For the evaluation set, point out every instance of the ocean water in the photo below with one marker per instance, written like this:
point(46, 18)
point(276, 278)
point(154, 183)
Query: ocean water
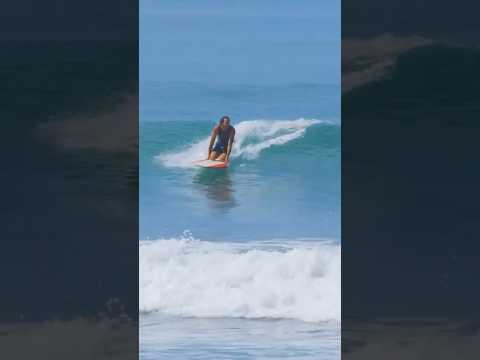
point(244, 262)
point(228, 256)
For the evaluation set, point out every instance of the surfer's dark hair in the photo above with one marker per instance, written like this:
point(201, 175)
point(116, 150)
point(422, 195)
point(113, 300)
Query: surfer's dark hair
point(223, 118)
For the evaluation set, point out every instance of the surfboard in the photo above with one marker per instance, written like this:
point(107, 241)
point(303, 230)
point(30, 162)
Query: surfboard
point(213, 164)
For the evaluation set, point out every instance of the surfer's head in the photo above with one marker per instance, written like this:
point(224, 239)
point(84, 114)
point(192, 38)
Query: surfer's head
point(224, 121)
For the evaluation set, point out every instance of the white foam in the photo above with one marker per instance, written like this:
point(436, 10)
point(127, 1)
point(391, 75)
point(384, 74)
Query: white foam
point(251, 137)
point(188, 277)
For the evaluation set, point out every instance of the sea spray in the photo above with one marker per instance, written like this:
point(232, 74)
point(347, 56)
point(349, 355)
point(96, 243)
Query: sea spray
point(188, 277)
point(251, 138)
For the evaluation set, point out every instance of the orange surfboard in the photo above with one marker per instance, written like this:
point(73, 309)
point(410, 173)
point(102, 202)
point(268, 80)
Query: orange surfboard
point(213, 164)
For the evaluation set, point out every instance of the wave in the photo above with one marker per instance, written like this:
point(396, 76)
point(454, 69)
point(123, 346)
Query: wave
point(251, 137)
point(188, 277)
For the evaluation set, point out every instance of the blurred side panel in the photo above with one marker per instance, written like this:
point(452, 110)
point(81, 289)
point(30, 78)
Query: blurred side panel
point(410, 204)
point(69, 205)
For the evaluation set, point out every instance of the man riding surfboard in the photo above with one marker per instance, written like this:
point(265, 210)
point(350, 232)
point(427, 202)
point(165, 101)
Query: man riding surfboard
point(224, 133)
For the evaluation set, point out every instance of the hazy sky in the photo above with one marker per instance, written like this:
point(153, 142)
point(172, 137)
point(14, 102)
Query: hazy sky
point(265, 42)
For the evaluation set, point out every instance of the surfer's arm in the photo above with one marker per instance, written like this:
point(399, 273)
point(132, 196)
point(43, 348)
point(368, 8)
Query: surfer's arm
point(212, 140)
point(230, 144)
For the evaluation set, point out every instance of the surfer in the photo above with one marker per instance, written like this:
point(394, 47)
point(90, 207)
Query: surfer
point(224, 133)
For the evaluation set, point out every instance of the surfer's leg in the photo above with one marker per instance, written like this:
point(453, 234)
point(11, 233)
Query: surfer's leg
point(213, 155)
point(221, 157)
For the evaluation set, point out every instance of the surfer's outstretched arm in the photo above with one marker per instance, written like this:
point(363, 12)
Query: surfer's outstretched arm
point(230, 143)
point(212, 140)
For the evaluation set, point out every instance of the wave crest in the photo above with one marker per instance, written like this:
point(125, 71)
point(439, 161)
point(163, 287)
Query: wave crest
point(250, 139)
point(188, 277)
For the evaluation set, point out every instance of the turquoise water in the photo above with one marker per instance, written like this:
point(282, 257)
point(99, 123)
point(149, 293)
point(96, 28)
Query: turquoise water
point(244, 262)
point(229, 256)
point(271, 190)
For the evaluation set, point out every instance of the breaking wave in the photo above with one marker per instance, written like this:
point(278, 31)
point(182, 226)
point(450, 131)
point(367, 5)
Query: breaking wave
point(187, 277)
point(252, 137)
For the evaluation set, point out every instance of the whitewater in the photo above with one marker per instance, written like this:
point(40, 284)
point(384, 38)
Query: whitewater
point(289, 279)
point(259, 275)
point(251, 138)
